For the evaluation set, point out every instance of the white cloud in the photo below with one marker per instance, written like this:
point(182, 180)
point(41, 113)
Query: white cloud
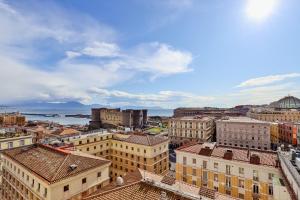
point(167, 99)
point(27, 37)
point(96, 49)
point(267, 80)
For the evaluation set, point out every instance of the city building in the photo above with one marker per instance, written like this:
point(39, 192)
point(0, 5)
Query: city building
point(275, 115)
point(41, 172)
point(114, 118)
point(274, 131)
point(145, 185)
point(12, 137)
point(243, 132)
point(290, 165)
point(127, 152)
point(238, 172)
point(288, 133)
point(10, 119)
point(208, 111)
point(192, 128)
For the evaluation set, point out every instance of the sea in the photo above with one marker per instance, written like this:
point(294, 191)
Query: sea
point(62, 119)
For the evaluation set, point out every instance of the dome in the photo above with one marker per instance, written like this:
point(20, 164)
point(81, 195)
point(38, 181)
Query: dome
point(288, 102)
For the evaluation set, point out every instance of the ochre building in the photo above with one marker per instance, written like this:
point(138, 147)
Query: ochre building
point(238, 172)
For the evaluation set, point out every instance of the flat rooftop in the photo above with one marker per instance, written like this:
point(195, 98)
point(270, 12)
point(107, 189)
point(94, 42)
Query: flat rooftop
point(241, 120)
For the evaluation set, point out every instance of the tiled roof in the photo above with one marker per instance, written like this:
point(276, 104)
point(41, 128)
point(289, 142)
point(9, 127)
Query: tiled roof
point(51, 164)
point(144, 139)
point(238, 154)
point(136, 191)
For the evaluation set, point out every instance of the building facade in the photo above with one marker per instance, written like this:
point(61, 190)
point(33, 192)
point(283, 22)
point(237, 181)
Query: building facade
point(112, 118)
point(41, 172)
point(275, 116)
point(238, 172)
point(288, 133)
point(274, 131)
point(10, 119)
point(207, 111)
point(243, 132)
point(191, 128)
point(127, 152)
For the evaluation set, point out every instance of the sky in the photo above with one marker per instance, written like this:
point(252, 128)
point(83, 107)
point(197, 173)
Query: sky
point(166, 53)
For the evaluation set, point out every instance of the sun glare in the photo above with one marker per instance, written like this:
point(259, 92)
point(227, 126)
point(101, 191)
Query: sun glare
point(259, 10)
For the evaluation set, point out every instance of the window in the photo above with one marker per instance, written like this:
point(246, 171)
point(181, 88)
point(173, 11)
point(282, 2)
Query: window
point(10, 145)
point(39, 187)
point(255, 189)
point(228, 181)
point(241, 183)
point(241, 196)
point(241, 170)
point(99, 174)
point(194, 161)
point(22, 142)
point(45, 192)
point(194, 172)
point(83, 180)
point(204, 164)
point(270, 190)
point(255, 175)
point(228, 169)
point(184, 160)
point(66, 188)
point(271, 176)
point(215, 165)
point(216, 177)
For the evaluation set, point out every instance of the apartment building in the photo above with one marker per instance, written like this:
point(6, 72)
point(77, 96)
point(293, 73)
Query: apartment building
point(15, 141)
point(275, 115)
point(9, 119)
point(112, 118)
point(243, 132)
point(288, 133)
point(274, 131)
point(127, 152)
point(239, 172)
point(41, 172)
point(192, 128)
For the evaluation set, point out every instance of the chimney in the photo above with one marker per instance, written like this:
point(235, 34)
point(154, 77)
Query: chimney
point(254, 159)
point(228, 154)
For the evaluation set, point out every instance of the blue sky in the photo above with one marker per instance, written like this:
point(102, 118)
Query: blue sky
point(150, 53)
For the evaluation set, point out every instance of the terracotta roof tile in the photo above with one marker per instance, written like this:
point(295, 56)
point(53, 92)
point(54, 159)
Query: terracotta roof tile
point(239, 154)
point(144, 139)
point(51, 164)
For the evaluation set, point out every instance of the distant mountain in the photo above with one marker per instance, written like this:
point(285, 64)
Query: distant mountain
point(70, 105)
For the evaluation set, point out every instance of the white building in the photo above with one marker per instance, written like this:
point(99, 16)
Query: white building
point(243, 132)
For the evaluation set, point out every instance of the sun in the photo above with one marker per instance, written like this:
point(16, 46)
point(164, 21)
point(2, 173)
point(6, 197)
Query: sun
point(259, 10)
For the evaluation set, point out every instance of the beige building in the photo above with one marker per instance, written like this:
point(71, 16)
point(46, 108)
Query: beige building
point(243, 132)
point(193, 128)
point(274, 116)
point(127, 152)
point(17, 141)
point(40, 172)
point(238, 172)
